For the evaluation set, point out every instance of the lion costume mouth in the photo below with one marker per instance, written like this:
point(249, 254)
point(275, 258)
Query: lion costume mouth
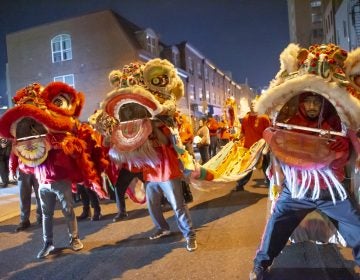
point(31, 144)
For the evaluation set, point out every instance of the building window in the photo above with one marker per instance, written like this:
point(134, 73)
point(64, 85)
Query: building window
point(207, 95)
point(345, 29)
point(200, 94)
point(151, 44)
point(316, 18)
point(192, 92)
point(68, 79)
point(317, 33)
point(315, 4)
point(61, 48)
point(175, 57)
point(199, 70)
point(191, 65)
point(206, 73)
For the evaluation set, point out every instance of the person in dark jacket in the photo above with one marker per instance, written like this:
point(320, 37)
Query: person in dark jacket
point(5, 150)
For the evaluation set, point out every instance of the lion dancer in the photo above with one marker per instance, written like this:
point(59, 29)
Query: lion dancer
point(312, 166)
point(49, 140)
point(138, 120)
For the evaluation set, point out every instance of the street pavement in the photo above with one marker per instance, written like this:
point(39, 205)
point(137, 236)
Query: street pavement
point(229, 226)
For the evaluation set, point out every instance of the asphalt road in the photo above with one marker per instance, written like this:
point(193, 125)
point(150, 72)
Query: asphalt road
point(229, 226)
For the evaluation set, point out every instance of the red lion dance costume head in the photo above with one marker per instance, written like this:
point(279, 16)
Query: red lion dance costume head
point(44, 126)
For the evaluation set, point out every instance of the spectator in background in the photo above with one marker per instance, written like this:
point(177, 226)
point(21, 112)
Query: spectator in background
point(213, 126)
point(204, 143)
point(5, 150)
point(186, 133)
point(252, 128)
point(224, 133)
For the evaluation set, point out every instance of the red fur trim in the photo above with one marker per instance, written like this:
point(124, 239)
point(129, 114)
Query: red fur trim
point(27, 110)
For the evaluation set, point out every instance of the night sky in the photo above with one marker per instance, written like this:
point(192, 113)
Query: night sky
point(244, 37)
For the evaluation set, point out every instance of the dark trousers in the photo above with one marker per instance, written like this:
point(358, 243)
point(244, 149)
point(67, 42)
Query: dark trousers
point(88, 197)
point(289, 212)
point(213, 145)
point(4, 170)
point(27, 183)
point(204, 153)
point(124, 179)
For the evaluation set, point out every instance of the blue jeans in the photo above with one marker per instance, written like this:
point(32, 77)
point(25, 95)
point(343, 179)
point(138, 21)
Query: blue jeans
point(172, 190)
point(60, 190)
point(26, 183)
point(289, 212)
point(204, 153)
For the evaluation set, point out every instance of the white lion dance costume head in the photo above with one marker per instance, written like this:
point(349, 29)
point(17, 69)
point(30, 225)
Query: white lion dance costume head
point(324, 70)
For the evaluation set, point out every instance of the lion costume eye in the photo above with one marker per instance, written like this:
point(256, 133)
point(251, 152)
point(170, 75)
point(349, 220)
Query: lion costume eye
point(62, 101)
point(356, 79)
point(160, 81)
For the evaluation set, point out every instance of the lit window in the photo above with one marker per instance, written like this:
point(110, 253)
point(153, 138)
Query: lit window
point(61, 48)
point(68, 79)
point(207, 95)
point(192, 92)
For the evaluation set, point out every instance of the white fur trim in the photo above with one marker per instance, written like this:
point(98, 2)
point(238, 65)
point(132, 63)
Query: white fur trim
point(288, 58)
point(352, 63)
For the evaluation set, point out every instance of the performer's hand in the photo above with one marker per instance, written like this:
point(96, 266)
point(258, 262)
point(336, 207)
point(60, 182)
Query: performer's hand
point(340, 144)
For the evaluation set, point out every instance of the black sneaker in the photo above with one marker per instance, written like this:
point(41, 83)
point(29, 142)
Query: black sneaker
point(86, 213)
point(191, 244)
point(76, 244)
point(22, 226)
point(120, 216)
point(160, 233)
point(46, 250)
point(257, 273)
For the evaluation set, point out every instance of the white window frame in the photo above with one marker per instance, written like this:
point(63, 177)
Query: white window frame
point(61, 47)
point(68, 79)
